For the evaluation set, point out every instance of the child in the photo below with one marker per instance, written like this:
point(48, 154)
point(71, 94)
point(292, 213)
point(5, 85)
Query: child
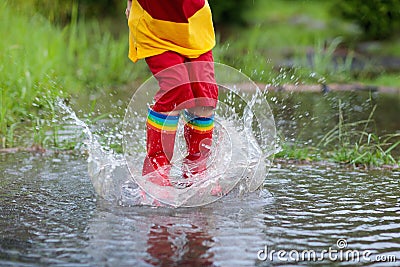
point(168, 34)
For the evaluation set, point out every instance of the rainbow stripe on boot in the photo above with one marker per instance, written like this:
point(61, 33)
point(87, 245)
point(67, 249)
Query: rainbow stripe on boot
point(162, 122)
point(199, 124)
point(161, 131)
point(198, 132)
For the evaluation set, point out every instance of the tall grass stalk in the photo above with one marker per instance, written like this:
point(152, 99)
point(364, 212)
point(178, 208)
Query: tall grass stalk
point(345, 144)
point(322, 65)
point(42, 61)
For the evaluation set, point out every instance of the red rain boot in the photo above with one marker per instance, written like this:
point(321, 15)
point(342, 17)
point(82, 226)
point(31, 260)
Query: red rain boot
point(160, 149)
point(198, 147)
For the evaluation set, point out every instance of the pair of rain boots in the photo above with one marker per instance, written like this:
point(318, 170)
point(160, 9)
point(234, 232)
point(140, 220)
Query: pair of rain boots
point(161, 132)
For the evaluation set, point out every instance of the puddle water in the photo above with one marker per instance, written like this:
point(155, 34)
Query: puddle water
point(304, 118)
point(50, 216)
point(301, 117)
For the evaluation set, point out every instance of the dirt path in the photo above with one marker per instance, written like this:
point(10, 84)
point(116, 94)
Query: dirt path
point(323, 88)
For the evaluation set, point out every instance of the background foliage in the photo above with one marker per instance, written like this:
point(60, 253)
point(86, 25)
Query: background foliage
point(230, 12)
point(64, 48)
point(224, 12)
point(60, 11)
point(378, 19)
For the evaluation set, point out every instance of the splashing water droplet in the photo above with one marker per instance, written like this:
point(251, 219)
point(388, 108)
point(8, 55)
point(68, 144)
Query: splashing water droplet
point(242, 151)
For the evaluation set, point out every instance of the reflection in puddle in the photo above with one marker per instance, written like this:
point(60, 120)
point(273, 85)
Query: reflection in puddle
point(50, 216)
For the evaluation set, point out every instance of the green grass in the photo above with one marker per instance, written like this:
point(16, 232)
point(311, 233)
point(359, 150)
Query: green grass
point(374, 151)
point(27, 68)
point(386, 79)
point(280, 30)
point(349, 143)
point(41, 61)
point(280, 35)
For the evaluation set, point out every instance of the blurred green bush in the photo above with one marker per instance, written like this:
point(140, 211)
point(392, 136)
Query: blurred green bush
point(229, 12)
point(54, 11)
point(378, 19)
point(59, 11)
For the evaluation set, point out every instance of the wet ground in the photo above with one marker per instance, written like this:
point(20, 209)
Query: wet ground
point(305, 215)
point(50, 216)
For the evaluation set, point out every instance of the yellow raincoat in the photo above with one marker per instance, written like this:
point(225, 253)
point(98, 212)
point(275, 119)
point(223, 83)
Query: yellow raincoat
point(182, 26)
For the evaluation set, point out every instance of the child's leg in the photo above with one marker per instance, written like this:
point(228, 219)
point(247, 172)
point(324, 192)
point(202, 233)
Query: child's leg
point(162, 120)
point(203, 84)
point(198, 131)
point(161, 131)
point(173, 79)
point(199, 125)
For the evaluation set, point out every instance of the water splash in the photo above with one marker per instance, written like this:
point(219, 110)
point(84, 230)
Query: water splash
point(112, 180)
point(244, 142)
point(242, 151)
point(107, 170)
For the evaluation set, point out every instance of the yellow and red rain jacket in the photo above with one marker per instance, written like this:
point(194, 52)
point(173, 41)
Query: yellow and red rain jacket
point(182, 26)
